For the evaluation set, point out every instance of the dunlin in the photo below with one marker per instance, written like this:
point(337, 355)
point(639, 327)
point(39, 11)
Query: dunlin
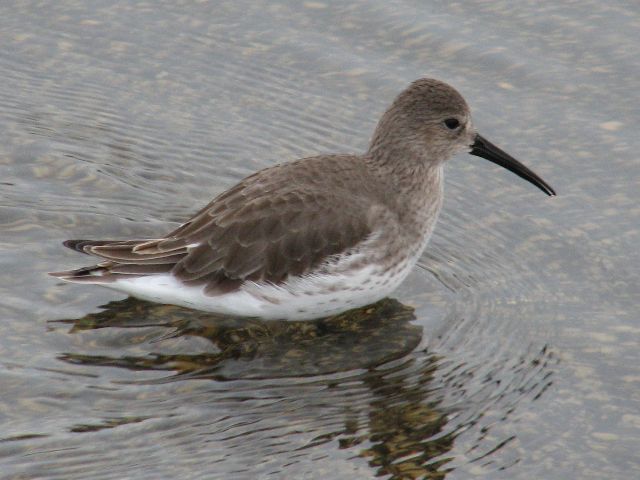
point(312, 237)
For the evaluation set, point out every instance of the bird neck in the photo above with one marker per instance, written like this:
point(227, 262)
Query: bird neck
point(412, 187)
point(405, 166)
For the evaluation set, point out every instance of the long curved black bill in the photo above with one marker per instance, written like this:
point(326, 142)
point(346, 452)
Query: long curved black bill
point(484, 148)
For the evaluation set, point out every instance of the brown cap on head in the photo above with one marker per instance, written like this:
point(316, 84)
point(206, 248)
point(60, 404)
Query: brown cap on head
point(436, 95)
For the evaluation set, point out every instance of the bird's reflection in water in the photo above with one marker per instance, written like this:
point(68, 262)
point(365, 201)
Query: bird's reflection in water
point(390, 419)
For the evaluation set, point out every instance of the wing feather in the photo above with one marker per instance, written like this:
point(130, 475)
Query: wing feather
point(271, 225)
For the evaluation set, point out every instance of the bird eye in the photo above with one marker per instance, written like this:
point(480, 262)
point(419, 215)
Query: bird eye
point(452, 123)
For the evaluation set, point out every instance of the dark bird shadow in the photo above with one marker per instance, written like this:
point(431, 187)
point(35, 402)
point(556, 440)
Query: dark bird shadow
point(402, 429)
point(247, 348)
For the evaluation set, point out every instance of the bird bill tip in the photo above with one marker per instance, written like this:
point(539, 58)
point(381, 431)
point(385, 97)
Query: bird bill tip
point(484, 148)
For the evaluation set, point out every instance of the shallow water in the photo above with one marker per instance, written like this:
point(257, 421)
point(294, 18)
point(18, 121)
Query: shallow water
point(511, 352)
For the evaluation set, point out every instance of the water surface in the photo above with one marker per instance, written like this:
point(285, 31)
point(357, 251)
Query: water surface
point(510, 352)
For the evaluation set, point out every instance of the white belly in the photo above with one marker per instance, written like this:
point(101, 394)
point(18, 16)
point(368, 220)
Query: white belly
point(301, 298)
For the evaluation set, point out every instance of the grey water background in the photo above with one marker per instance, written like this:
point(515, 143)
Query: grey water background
point(521, 358)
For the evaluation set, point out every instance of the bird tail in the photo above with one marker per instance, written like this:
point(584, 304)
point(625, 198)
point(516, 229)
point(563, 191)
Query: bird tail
point(93, 274)
point(120, 259)
point(79, 245)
